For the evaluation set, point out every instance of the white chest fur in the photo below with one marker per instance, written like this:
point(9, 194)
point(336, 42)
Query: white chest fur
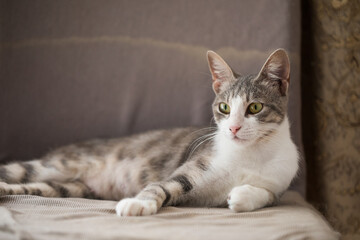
point(271, 164)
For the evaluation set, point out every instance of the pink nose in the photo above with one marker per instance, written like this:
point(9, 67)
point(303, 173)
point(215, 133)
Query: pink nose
point(234, 129)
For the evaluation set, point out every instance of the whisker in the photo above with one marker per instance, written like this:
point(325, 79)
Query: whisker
point(208, 138)
point(199, 139)
point(203, 129)
point(212, 120)
point(268, 138)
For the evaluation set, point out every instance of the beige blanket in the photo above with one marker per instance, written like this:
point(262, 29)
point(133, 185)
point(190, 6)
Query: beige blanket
point(32, 217)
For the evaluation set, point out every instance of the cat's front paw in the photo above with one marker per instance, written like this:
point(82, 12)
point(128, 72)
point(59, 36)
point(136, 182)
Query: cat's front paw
point(136, 207)
point(246, 198)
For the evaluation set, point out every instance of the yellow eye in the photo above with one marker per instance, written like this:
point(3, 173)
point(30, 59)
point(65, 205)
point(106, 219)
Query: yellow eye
point(224, 108)
point(255, 108)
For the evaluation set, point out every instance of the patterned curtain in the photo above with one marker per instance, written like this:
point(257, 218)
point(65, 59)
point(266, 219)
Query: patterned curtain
point(331, 110)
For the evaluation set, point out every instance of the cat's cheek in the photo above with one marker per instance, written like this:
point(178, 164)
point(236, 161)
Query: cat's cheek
point(224, 128)
point(136, 207)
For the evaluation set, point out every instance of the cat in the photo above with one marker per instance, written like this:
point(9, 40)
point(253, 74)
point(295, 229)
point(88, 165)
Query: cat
point(244, 162)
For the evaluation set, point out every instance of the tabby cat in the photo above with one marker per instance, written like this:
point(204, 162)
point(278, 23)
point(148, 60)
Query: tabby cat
point(246, 162)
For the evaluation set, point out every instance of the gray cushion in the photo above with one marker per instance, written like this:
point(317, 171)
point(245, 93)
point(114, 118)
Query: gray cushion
point(74, 218)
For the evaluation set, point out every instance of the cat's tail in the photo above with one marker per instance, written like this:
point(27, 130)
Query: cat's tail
point(48, 189)
point(42, 178)
point(31, 171)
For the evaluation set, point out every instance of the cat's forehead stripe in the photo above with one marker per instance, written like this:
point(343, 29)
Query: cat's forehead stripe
point(244, 86)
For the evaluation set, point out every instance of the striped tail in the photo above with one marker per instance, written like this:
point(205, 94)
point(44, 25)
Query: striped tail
point(48, 189)
point(32, 171)
point(40, 178)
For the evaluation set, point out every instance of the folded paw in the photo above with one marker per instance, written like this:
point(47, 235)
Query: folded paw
point(247, 198)
point(136, 207)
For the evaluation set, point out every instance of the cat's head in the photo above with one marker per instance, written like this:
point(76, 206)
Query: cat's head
point(248, 109)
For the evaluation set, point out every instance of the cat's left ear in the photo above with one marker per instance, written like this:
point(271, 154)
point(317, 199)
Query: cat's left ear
point(222, 74)
point(277, 70)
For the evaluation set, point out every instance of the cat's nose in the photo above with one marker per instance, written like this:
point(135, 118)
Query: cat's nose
point(234, 129)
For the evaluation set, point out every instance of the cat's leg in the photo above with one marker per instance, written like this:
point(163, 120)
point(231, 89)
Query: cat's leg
point(153, 197)
point(165, 193)
point(247, 198)
point(47, 189)
point(32, 171)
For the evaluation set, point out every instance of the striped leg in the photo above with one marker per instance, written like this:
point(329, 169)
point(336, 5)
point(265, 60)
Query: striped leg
point(47, 189)
point(156, 195)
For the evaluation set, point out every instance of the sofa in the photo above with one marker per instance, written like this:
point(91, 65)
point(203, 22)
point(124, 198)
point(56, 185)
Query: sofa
point(76, 70)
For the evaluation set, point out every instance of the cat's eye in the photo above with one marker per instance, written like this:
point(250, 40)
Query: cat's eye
point(255, 108)
point(224, 108)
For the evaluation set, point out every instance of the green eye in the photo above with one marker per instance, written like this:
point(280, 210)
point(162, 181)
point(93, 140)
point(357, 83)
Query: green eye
point(255, 108)
point(224, 108)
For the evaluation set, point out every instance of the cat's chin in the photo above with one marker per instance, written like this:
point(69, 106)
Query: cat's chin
point(241, 141)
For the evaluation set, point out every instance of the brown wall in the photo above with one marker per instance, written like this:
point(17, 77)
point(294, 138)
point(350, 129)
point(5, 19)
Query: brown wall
point(331, 110)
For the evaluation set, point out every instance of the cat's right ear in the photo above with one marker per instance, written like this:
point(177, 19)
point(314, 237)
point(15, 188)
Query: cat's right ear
point(222, 74)
point(277, 70)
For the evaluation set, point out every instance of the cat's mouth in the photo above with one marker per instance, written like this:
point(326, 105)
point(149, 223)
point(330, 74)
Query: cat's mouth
point(239, 139)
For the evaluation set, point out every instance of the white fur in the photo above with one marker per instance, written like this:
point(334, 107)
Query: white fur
point(252, 174)
point(136, 207)
point(244, 173)
point(247, 173)
point(254, 167)
point(250, 128)
point(110, 181)
point(16, 170)
point(247, 198)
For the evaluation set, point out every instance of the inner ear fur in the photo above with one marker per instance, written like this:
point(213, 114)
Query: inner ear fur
point(222, 74)
point(277, 68)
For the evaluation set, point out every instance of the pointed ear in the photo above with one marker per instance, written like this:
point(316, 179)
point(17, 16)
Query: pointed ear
point(277, 68)
point(222, 74)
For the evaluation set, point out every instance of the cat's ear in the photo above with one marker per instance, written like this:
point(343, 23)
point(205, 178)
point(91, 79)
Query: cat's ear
point(277, 68)
point(222, 74)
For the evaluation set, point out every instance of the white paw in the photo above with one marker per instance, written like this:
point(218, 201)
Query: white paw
point(136, 207)
point(246, 198)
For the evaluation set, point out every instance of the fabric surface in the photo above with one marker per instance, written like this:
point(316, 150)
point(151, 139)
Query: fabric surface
point(74, 70)
point(332, 111)
point(32, 217)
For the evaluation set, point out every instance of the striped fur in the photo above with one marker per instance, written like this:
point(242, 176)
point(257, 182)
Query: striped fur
point(47, 189)
point(209, 167)
point(155, 154)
